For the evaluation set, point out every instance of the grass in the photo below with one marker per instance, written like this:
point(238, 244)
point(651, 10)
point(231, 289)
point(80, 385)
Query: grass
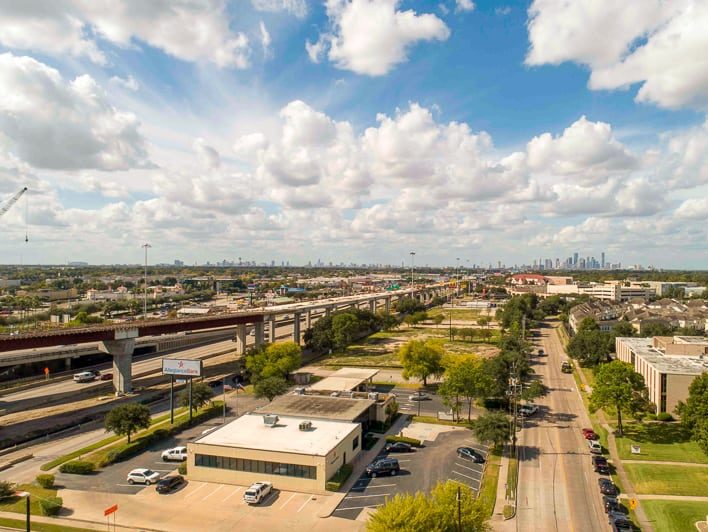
point(659, 441)
point(436, 421)
point(508, 511)
point(459, 314)
point(488, 491)
point(668, 479)
point(19, 524)
point(512, 477)
point(677, 516)
point(18, 504)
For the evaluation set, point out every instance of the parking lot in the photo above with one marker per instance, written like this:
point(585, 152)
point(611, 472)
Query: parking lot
point(420, 470)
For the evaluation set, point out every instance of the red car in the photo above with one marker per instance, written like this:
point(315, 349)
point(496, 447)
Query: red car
point(590, 434)
point(106, 376)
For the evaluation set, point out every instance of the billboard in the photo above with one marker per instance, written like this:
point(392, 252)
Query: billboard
point(184, 368)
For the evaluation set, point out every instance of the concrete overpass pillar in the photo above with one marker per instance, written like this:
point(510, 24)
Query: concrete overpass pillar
point(259, 334)
point(67, 363)
point(296, 327)
point(271, 329)
point(328, 311)
point(388, 304)
point(122, 353)
point(372, 306)
point(308, 320)
point(241, 338)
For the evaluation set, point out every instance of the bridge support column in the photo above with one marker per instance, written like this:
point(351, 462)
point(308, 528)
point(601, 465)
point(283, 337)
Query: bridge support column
point(387, 304)
point(308, 320)
point(296, 327)
point(259, 333)
point(122, 353)
point(328, 311)
point(241, 338)
point(271, 329)
point(67, 363)
point(372, 306)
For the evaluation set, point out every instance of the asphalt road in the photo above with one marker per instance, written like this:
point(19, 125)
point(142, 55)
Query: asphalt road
point(557, 487)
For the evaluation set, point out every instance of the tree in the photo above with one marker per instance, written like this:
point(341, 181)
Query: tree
point(438, 319)
point(274, 360)
point(590, 346)
point(270, 387)
point(201, 395)
point(408, 305)
point(466, 377)
point(492, 427)
point(421, 359)
point(694, 412)
point(622, 328)
point(483, 321)
point(535, 389)
point(389, 322)
point(345, 328)
point(436, 512)
point(617, 385)
point(124, 420)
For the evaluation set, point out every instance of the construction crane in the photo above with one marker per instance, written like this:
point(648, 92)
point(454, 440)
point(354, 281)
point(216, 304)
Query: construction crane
point(10, 203)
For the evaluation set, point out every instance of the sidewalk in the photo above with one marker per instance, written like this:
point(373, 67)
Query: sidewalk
point(63, 522)
point(664, 462)
point(497, 520)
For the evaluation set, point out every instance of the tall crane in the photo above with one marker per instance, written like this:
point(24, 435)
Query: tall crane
point(11, 202)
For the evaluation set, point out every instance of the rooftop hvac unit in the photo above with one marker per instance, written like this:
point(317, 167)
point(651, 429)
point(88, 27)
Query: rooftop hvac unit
point(374, 396)
point(305, 425)
point(270, 420)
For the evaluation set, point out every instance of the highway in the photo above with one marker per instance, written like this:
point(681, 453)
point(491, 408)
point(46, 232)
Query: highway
point(557, 489)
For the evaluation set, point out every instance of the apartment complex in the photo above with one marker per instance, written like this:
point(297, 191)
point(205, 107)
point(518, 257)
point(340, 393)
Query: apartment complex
point(668, 364)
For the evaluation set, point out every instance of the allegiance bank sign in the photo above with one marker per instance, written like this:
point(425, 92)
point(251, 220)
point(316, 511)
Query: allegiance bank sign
point(181, 367)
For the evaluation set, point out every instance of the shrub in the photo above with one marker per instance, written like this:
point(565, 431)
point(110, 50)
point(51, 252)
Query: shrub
point(339, 478)
point(50, 505)
point(664, 416)
point(45, 481)
point(650, 417)
point(77, 467)
point(411, 441)
point(6, 489)
point(182, 468)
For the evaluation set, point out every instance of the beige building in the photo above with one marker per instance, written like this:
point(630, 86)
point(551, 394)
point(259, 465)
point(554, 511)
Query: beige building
point(668, 365)
point(293, 453)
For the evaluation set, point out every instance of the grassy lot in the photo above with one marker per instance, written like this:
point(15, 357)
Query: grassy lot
point(19, 524)
point(18, 504)
point(676, 516)
point(660, 441)
point(488, 491)
point(668, 479)
point(461, 314)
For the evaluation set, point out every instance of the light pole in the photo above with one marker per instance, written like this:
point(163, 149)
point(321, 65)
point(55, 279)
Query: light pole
point(412, 253)
point(457, 278)
point(145, 295)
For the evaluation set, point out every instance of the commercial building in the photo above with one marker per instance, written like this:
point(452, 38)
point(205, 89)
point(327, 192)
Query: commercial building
point(668, 364)
point(346, 380)
point(294, 453)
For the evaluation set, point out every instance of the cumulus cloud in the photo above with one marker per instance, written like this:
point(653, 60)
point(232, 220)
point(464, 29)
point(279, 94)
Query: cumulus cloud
point(51, 123)
point(295, 7)
point(694, 209)
point(371, 37)
point(660, 45)
point(208, 156)
point(682, 158)
point(464, 5)
point(127, 83)
point(191, 30)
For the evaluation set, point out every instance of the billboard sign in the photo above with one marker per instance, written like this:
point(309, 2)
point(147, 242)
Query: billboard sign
point(181, 367)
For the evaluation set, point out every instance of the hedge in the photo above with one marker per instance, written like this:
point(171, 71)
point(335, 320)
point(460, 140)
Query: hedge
point(664, 416)
point(77, 467)
point(45, 481)
point(411, 441)
point(51, 505)
point(182, 468)
point(339, 478)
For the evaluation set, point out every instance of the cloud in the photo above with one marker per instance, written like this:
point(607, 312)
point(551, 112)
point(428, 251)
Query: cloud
point(127, 83)
point(371, 37)
point(62, 125)
point(693, 209)
point(464, 5)
point(208, 156)
point(682, 158)
point(265, 39)
point(502, 11)
point(295, 7)
point(190, 30)
point(660, 45)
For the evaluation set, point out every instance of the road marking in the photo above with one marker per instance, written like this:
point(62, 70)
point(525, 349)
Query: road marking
point(467, 467)
point(380, 485)
point(212, 493)
point(131, 485)
point(305, 503)
point(365, 496)
point(462, 483)
point(233, 493)
point(289, 499)
point(357, 507)
point(466, 476)
point(195, 490)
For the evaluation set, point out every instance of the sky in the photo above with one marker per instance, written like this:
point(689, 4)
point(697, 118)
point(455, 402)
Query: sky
point(354, 131)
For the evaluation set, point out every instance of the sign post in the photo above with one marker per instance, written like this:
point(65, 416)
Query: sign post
point(186, 368)
point(172, 399)
point(190, 400)
point(107, 512)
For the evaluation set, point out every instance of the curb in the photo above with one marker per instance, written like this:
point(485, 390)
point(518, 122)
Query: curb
point(10, 463)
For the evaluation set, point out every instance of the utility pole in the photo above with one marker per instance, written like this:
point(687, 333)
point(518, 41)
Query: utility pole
point(514, 384)
point(145, 296)
point(457, 278)
point(412, 254)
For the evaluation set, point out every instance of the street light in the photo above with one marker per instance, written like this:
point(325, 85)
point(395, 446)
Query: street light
point(26, 495)
point(412, 254)
point(457, 278)
point(145, 297)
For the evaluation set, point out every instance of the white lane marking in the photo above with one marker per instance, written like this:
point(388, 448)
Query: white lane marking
point(466, 476)
point(195, 490)
point(467, 467)
point(461, 483)
point(131, 485)
point(238, 488)
point(212, 493)
point(379, 486)
point(358, 507)
point(365, 496)
point(289, 499)
point(305, 503)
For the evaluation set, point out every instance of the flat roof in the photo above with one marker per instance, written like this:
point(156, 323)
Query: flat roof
point(345, 379)
point(317, 406)
point(671, 364)
point(250, 432)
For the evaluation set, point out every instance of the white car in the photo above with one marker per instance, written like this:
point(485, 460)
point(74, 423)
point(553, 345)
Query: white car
point(257, 492)
point(527, 410)
point(85, 376)
point(143, 476)
point(420, 396)
point(178, 454)
point(595, 446)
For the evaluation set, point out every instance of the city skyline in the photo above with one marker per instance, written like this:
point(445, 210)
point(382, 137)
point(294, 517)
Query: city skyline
point(335, 129)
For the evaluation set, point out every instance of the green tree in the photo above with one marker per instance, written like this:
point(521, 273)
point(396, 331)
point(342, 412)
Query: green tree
point(492, 427)
point(389, 322)
point(618, 386)
point(273, 360)
point(535, 389)
point(270, 387)
point(345, 328)
point(201, 395)
point(622, 328)
point(694, 412)
point(127, 419)
point(590, 346)
point(466, 377)
point(409, 305)
point(438, 319)
point(421, 359)
point(437, 512)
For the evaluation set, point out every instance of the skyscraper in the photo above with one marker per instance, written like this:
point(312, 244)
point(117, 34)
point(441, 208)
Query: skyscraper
point(575, 259)
point(602, 260)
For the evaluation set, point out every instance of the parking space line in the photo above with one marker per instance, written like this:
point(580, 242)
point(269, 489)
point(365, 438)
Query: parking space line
point(379, 486)
point(365, 496)
point(305, 503)
point(289, 499)
point(195, 490)
point(357, 507)
point(467, 467)
point(213, 492)
point(129, 485)
point(462, 484)
point(238, 488)
point(466, 476)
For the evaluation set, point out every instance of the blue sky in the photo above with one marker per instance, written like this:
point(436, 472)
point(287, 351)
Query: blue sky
point(356, 130)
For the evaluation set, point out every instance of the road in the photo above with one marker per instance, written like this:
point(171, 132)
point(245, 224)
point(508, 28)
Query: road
point(557, 487)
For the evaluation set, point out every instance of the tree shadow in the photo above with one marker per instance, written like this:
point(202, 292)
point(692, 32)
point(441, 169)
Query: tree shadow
point(527, 453)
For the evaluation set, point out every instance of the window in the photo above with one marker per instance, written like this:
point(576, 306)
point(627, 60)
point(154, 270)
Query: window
point(355, 443)
point(255, 466)
point(662, 406)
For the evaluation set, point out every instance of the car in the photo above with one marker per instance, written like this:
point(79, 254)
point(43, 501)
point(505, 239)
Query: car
point(257, 492)
point(106, 377)
point(470, 454)
point(595, 446)
point(143, 476)
point(590, 434)
point(610, 504)
point(600, 465)
point(169, 483)
point(94, 372)
point(541, 352)
point(84, 376)
point(619, 521)
point(214, 383)
point(398, 447)
point(420, 396)
point(607, 487)
point(385, 466)
point(527, 410)
point(178, 454)
point(566, 367)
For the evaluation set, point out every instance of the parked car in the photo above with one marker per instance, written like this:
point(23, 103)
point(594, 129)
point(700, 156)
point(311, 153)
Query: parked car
point(566, 367)
point(541, 352)
point(106, 376)
point(600, 465)
point(527, 410)
point(84, 376)
point(94, 372)
point(607, 487)
point(385, 466)
point(611, 504)
point(215, 383)
point(398, 447)
point(143, 476)
point(178, 454)
point(470, 454)
point(420, 396)
point(619, 521)
point(257, 492)
point(167, 484)
point(590, 434)
point(595, 446)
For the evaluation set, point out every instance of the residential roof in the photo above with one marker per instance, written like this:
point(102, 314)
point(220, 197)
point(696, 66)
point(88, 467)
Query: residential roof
point(317, 407)
point(250, 432)
point(345, 379)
